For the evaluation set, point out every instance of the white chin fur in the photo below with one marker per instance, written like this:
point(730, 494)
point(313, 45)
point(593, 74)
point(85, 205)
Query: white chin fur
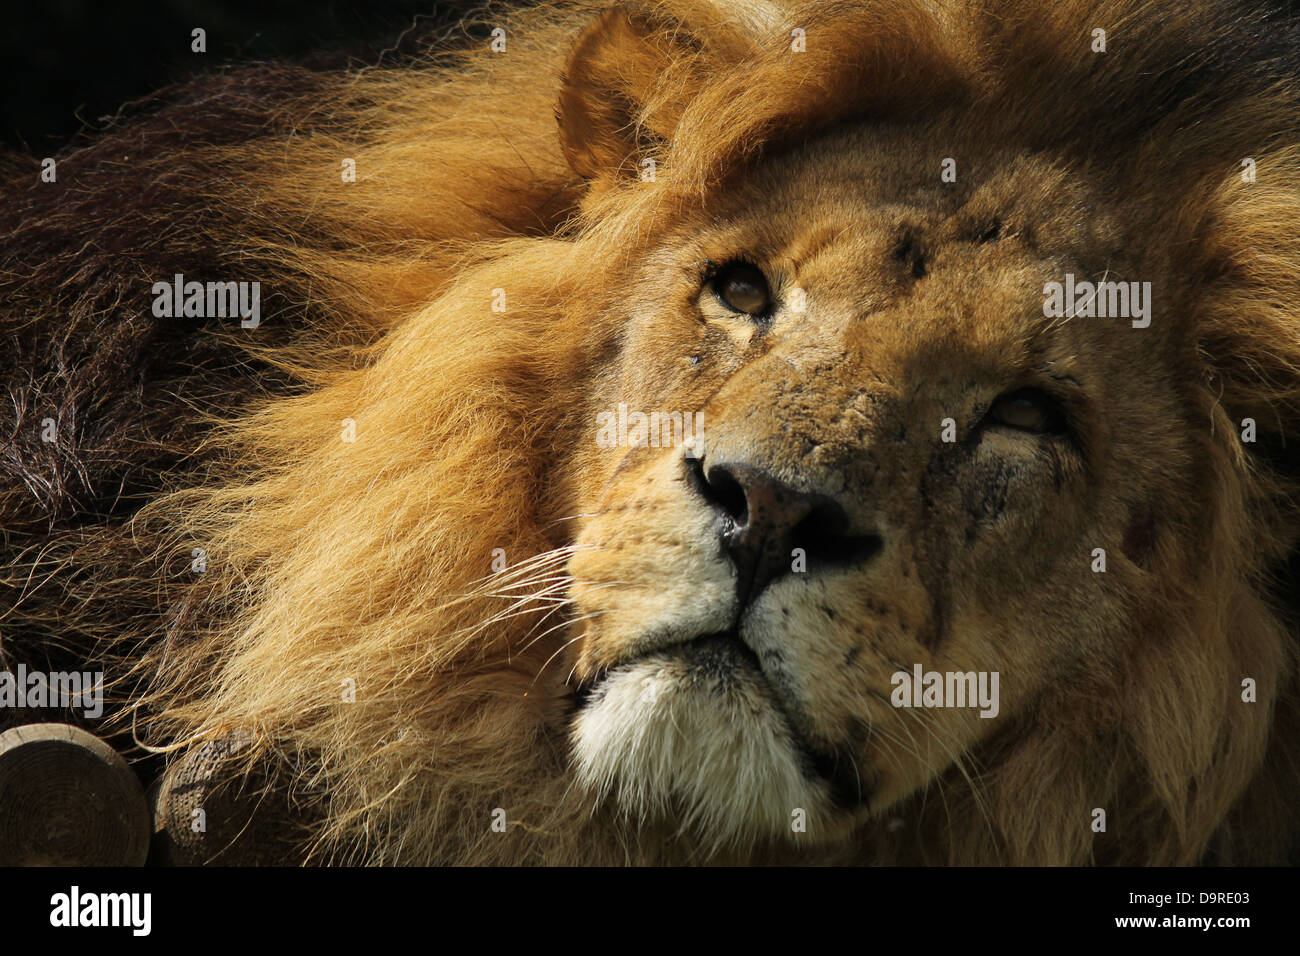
point(688, 738)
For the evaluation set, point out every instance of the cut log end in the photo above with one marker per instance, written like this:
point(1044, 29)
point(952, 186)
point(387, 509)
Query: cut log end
point(68, 799)
point(210, 808)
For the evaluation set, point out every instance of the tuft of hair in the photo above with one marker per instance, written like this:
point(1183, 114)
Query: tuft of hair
point(718, 763)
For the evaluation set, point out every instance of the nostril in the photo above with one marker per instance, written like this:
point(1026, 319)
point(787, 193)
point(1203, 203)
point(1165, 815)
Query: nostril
point(822, 536)
point(761, 520)
point(720, 487)
point(729, 494)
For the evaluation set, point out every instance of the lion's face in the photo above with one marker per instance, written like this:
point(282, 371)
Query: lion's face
point(902, 462)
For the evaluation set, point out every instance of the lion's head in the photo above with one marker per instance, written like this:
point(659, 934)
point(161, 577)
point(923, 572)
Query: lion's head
point(966, 425)
point(865, 432)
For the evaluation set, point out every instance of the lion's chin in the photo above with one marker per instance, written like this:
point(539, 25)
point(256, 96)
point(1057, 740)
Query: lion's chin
point(689, 737)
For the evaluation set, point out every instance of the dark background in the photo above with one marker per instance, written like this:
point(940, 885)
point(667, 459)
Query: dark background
point(66, 65)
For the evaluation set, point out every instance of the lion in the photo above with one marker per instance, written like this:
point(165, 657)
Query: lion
point(695, 432)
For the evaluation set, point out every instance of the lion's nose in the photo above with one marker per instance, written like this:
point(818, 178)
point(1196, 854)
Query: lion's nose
point(770, 529)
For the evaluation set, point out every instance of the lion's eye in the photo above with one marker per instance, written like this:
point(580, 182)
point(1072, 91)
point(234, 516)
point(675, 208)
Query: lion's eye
point(1030, 410)
point(742, 287)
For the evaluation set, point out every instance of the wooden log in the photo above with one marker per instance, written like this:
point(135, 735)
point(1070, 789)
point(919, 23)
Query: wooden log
point(68, 799)
point(211, 808)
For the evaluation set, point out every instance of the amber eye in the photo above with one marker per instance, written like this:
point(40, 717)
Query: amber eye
point(1030, 410)
point(741, 287)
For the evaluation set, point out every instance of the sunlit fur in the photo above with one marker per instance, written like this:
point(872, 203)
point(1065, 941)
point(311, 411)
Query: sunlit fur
point(370, 561)
point(668, 734)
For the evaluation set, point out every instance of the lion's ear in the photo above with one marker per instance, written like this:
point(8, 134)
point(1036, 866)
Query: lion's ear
point(632, 73)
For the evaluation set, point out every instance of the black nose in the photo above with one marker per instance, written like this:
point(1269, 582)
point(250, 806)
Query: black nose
point(763, 520)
